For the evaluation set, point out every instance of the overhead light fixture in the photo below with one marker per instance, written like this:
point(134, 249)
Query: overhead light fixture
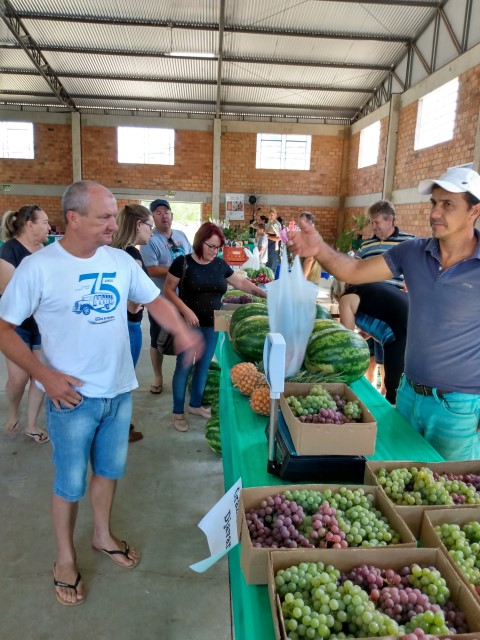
point(190, 54)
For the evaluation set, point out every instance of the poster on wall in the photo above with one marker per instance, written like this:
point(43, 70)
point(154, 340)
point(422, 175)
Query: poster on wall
point(235, 208)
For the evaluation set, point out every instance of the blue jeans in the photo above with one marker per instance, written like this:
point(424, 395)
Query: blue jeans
point(449, 424)
point(32, 340)
point(135, 335)
point(96, 429)
point(200, 372)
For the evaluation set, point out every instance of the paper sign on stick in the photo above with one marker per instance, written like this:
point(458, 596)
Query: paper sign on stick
point(220, 527)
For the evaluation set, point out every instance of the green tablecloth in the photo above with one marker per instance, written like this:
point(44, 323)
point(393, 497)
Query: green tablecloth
point(245, 455)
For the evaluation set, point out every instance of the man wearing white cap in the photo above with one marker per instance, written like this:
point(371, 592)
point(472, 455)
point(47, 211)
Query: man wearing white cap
point(440, 391)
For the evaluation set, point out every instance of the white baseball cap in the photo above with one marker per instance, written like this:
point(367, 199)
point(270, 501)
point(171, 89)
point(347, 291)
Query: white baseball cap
point(455, 180)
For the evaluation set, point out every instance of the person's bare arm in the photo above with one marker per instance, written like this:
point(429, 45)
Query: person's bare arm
point(186, 341)
point(6, 273)
point(307, 265)
point(244, 284)
point(58, 386)
point(347, 307)
point(308, 243)
point(157, 271)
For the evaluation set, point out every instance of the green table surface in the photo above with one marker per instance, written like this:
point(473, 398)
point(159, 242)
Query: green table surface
point(245, 455)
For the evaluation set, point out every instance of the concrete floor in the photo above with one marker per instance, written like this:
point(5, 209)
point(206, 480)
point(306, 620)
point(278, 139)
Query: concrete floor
point(172, 480)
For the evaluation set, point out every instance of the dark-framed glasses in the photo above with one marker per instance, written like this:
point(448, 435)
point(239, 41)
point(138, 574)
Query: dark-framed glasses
point(31, 211)
point(171, 243)
point(147, 224)
point(213, 247)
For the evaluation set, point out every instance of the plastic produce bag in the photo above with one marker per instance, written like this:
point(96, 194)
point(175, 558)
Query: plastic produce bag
point(253, 261)
point(291, 311)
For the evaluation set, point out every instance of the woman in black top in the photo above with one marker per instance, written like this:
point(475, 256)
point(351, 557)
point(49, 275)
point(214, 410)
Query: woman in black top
point(204, 282)
point(25, 232)
point(135, 227)
point(380, 310)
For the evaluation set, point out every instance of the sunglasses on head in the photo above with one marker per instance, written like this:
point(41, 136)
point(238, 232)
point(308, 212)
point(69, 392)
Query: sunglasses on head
point(173, 244)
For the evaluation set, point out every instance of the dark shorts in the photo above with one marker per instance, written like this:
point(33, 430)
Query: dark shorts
point(33, 340)
point(376, 350)
point(154, 331)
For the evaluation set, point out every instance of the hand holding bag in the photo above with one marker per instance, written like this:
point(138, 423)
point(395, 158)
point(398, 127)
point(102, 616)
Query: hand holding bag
point(165, 340)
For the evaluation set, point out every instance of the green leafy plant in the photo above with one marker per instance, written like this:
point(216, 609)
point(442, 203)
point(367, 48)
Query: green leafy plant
point(352, 237)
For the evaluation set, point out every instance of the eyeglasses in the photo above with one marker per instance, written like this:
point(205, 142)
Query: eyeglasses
point(173, 245)
point(31, 211)
point(147, 224)
point(213, 247)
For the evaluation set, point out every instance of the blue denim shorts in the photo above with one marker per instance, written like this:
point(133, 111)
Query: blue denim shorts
point(32, 340)
point(96, 429)
point(449, 422)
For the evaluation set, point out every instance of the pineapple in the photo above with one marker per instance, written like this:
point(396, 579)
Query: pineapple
point(260, 401)
point(246, 377)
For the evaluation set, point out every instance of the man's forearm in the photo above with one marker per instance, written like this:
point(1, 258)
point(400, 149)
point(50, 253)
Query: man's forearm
point(165, 314)
point(157, 271)
point(15, 349)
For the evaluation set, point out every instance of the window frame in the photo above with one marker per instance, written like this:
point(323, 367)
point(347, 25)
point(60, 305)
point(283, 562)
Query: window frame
point(23, 150)
point(436, 119)
point(149, 138)
point(280, 160)
point(367, 156)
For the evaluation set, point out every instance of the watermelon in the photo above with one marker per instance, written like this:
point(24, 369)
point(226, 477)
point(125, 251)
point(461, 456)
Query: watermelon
point(245, 311)
point(212, 386)
point(212, 434)
point(337, 353)
point(249, 336)
point(322, 313)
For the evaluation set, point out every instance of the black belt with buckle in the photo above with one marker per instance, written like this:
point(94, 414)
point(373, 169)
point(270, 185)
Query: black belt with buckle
point(423, 390)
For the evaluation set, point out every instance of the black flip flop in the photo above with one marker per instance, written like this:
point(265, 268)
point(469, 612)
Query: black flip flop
point(59, 583)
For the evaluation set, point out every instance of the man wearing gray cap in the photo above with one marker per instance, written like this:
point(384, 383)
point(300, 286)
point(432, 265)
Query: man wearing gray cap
point(440, 391)
point(164, 246)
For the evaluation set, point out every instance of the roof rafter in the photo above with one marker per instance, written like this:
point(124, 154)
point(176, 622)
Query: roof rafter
point(28, 44)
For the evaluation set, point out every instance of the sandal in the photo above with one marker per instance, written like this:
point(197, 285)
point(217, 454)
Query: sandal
point(115, 552)
point(59, 583)
point(156, 389)
point(41, 437)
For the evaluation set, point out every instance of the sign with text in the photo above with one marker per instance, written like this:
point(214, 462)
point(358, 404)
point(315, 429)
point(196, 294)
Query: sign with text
point(220, 527)
point(235, 206)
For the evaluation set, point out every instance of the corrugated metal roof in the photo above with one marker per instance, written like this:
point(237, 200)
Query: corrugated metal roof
point(321, 59)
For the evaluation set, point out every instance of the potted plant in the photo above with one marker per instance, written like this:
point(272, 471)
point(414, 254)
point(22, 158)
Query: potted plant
point(351, 238)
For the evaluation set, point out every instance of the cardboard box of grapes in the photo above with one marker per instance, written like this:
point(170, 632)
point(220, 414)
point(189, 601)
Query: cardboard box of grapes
point(430, 538)
point(396, 559)
point(349, 439)
point(254, 560)
point(413, 515)
point(221, 319)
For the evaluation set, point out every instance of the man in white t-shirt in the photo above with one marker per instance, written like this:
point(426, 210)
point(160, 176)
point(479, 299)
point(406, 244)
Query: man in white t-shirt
point(77, 289)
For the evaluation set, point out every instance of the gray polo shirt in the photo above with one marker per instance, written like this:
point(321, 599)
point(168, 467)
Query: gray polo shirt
point(158, 251)
point(443, 337)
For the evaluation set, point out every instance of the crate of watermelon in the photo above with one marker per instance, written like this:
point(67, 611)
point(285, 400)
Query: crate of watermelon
point(328, 419)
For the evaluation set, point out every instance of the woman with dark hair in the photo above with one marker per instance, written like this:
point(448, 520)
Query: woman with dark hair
point(195, 284)
point(25, 231)
point(135, 227)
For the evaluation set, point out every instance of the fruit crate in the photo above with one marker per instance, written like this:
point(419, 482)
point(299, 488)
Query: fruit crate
point(221, 319)
point(292, 466)
point(430, 538)
point(397, 558)
point(350, 439)
point(413, 515)
point(254, 560)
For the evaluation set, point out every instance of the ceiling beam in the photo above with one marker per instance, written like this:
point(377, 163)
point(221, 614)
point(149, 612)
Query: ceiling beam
point(195, 81)
point(213, 27)
point(210, 103)
point(28, 44)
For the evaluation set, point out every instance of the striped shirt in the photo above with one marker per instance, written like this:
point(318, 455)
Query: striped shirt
point(375, 247)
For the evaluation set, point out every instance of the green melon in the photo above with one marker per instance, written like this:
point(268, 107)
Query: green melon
point(337, 353)
point(245, 311)
point(248, 338)
point(322, 313)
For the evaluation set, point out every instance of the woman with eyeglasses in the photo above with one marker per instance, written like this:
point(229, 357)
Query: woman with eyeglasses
point(24, 231)
point(197, 295)
point(135, 227)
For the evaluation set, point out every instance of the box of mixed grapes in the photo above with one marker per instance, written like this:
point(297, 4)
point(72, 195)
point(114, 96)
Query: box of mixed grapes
point(373, 581)
point(345, 428)
point(453, 484)
point(255, 513)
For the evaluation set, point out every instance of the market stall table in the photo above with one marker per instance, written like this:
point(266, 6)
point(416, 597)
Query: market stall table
point(245, 454)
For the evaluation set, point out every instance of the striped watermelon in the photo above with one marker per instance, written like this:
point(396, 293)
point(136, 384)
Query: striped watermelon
point(322, 313)
point(245, 311)
point(212, 434)
point(337, 353)
point(249, 336)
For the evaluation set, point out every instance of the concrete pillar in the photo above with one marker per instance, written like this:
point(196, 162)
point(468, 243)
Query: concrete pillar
point(76, 146)
point(343, 182)
point(217, 158)
point(391, 150)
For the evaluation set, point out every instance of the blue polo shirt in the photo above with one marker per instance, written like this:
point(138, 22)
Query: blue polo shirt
point(443, 337)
